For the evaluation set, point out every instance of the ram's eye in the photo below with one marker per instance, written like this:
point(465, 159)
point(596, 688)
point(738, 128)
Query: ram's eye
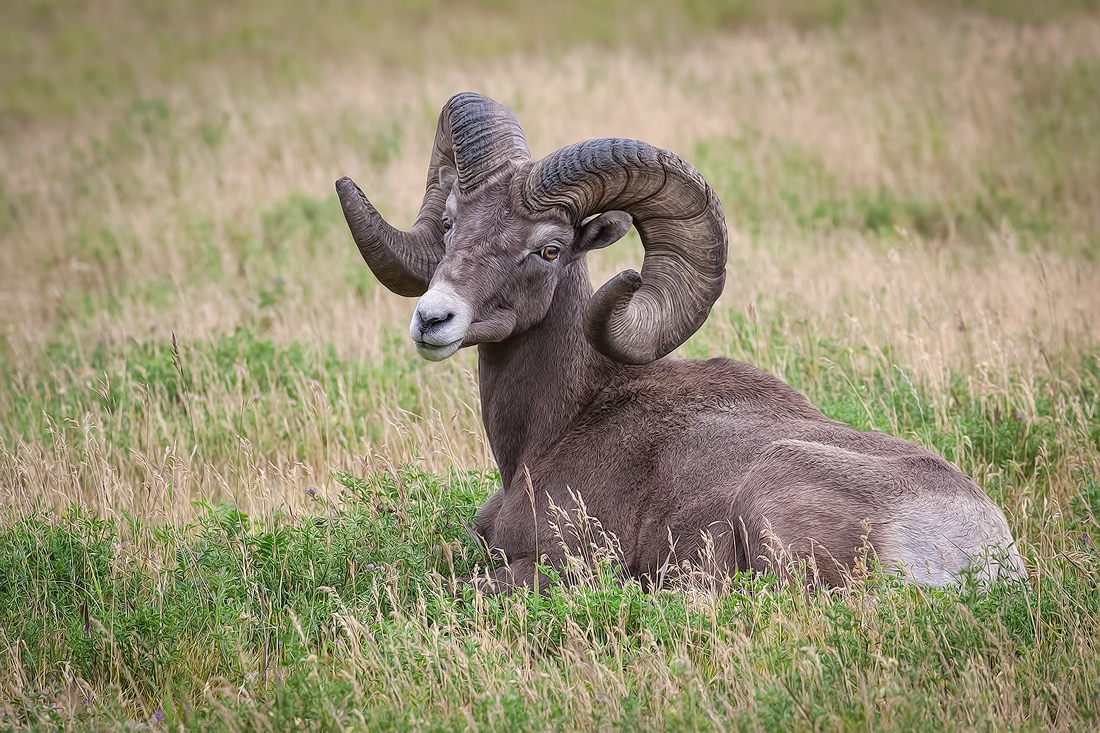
point(550, 252)
point(446, 224)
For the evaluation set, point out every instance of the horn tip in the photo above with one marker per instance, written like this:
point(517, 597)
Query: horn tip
point(631, 279)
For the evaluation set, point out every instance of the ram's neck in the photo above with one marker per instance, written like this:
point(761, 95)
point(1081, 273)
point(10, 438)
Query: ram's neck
point(535, 384)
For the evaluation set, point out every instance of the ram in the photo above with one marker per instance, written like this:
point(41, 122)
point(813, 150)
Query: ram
point(682, 462)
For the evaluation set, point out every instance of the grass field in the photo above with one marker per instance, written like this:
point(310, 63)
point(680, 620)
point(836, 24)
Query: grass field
point(231, 493)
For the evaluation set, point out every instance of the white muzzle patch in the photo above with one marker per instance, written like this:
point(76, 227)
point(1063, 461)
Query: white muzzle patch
point(440, 322)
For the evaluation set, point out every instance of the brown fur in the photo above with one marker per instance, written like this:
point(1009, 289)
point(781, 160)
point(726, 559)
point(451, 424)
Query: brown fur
point(671, 457)
point(672, 447)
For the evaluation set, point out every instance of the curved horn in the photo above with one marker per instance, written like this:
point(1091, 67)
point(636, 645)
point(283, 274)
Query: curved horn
point(476, 136)
point(636, 319)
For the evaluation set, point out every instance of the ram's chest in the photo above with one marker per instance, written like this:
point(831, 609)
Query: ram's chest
point(579, 505)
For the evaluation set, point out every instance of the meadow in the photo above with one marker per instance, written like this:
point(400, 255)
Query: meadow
point(232, 495)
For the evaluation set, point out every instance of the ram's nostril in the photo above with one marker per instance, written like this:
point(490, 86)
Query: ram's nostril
point(428, 321)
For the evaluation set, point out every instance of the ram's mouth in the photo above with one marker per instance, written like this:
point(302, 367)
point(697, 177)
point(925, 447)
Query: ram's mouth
point(491, 330)
point(437, 352)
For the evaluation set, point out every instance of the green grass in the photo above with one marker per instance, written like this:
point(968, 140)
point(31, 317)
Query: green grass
point(147, 394)
point(335, 617)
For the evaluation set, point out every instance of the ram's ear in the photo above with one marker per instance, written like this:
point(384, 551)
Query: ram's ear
point(447, 178)
point(603, 230)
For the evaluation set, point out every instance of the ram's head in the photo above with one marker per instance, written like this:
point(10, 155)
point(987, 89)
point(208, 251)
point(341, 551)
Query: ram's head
point(497, 232)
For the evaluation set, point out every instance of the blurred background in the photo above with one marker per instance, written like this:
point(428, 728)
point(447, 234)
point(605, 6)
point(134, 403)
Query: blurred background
point(912, 193)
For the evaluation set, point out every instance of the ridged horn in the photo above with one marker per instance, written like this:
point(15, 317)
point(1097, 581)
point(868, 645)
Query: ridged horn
point(477, 137)
point(637, 319)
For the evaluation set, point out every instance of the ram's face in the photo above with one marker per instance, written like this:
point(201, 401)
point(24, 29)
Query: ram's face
point(498, 274)
point(501, 267)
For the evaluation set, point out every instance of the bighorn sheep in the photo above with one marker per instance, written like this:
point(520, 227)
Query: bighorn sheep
point(579, 398)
